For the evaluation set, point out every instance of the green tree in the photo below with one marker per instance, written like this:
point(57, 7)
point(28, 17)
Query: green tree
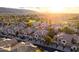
point(67, 30)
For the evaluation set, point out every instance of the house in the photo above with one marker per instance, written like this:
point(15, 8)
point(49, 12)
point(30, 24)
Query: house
point(65, 39)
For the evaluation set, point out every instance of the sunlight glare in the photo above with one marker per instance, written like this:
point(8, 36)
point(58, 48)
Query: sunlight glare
point(56, 9)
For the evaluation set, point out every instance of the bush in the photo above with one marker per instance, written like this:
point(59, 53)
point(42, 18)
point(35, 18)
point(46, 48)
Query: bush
point(77, 25)
point(51, 32)
point(68, 30)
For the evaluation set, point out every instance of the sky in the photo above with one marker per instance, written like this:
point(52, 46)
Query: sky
point(43, 5)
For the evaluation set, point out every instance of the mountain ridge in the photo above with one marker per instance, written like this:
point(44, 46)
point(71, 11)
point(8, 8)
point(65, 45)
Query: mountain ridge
point(4, 10)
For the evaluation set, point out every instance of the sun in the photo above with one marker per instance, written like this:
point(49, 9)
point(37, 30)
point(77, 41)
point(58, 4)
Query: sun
point(56, 9)
point(53, 8)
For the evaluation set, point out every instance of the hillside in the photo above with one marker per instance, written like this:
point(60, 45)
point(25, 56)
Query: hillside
point(4, 11)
